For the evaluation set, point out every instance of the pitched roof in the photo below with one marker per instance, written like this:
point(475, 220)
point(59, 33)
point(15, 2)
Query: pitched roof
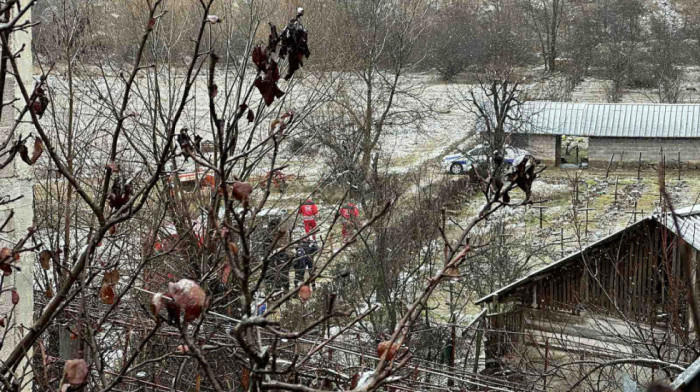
point(557, 263)
point(612, 119)
point(687, 376)
point(688, 220)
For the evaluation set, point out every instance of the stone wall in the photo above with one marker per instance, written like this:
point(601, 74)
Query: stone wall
point(600, 149)
point(17, 180)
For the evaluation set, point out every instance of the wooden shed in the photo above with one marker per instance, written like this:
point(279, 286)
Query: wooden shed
point(621, 297)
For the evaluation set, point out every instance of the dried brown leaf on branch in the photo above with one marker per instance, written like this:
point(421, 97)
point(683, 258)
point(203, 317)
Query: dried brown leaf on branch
point(157, 303)
point(5, 254)
point(15, 297)
point(112, 277)
point(114, 167)
point(185, 142)
point(260, 57)
point(107, 294)
point(295, 45)
point(76, 371)
point(225, 273)
point(120, 193)
point(305, 293)
point(182, 349)
point(188, 296)
point(36, 154)
point(390, 350)
point(245, 379)
point(355, 380)
point(268, 89)
point(40, 103)
point(45, 259)
point(241, 109)
point(233, 247)
point(241, 191)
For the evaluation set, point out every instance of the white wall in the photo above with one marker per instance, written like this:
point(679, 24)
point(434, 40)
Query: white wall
point(16, 180)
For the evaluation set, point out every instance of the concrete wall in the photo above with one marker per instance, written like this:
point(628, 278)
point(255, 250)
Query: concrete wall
point(600, 149)
point(17, 179)
point(541, 146)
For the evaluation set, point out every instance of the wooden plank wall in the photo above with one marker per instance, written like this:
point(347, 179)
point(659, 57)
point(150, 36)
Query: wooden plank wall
point(630, 275)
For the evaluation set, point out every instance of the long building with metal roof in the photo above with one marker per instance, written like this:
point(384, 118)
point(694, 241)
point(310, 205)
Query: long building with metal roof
point(620, 131)
point(634, 120)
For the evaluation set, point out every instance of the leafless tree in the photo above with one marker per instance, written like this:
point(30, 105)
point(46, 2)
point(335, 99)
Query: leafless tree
point(160, 266)
point(622, 24)
point(376, 94)
point(455, 38)
point(497, 103)
point(545, 18)
point(666, 57)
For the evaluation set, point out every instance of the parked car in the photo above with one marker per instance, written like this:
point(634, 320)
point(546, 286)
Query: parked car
point(460, 163)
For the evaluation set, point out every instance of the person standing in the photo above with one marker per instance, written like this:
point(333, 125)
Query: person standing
point(308, 211)
point(304, 260)
point(350, 215)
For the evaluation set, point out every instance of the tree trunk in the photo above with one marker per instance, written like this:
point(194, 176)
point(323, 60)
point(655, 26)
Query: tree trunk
point(367, 131)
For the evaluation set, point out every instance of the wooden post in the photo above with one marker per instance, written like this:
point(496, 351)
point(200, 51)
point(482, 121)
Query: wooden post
point(639, 167)
point(479, 336)
point(586, 211)
point(616, 181)
point(562, 242)
point(453, 343)
point(679, 165)
point(662, 177)
point(633, 212)
point(609, 163)
point(577, 162)
point(546, 362)
point(541, 208)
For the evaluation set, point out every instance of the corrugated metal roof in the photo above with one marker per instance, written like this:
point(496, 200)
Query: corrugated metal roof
point(613, 119)
point(687, 376)
point(688, 220)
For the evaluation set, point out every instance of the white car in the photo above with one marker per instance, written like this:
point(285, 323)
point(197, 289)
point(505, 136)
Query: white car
point(459, 163)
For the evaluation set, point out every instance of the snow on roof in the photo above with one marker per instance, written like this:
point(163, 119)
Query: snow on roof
point(689, 219)
point(688, 222)
point(613, 119)
point(687, 376)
